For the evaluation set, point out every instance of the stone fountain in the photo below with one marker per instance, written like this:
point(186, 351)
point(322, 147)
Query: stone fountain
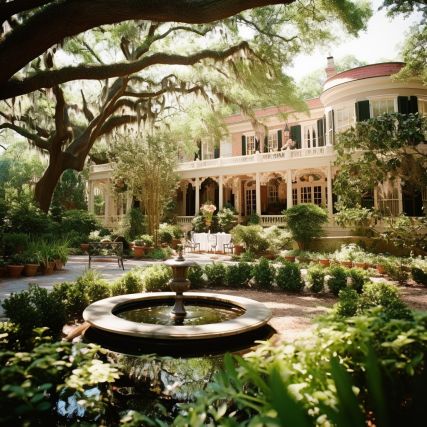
point(151, 322)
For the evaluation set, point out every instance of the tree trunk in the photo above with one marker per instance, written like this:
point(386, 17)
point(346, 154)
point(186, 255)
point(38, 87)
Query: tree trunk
point(47, 183)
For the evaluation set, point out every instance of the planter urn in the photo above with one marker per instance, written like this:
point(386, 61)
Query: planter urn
point(139, 251)
point(347, 264)
point(59, 265)
point(14, 271)
point(290, 258)
point(362, 265)
point(238, 249)
point(324, 262)
point(30, 269)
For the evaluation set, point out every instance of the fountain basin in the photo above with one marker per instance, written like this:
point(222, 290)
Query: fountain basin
point(101, 316)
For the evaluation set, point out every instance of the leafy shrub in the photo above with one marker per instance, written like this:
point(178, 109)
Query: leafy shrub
point(159, 253)
point(34, 308)
point(277, 238)
point(130, 283)
point(337, 279)
point(288, 277)
point(74, 297)
point(316, 278)
point(396, 271)
point(82, 221)
point(305, 222)
point(385, 295)
point(144, 240)
point(248, 256)
point(156, 278)
point(215, 273)
point(15, 242)
point(135, 223)
point(196, 276)
point(238, 275)
point(251, 237)
point(75, 238)
point(263, 273)
point(254, 219)
point(226, 219)
point(358, 278)
point(96, 287)
point(348, 302)
point(198, 223)
point(419, 275)
point(165, 235)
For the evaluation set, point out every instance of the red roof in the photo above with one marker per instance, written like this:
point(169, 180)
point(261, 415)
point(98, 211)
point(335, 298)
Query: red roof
point(271, 111)
point(364, 72)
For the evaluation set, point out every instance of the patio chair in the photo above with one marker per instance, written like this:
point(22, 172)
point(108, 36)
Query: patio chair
point(212, 241)
point(229, 247)
point(191, 244)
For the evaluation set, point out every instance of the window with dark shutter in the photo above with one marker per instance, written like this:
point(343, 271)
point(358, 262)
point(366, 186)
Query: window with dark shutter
point(265, 144)
point(407, 104)
point(279, 140)
point(216, 152)
point(362, 111)
point(296, 135)
point(321, 131)
point(243, 145)
point(198, 154)
point(257, 145)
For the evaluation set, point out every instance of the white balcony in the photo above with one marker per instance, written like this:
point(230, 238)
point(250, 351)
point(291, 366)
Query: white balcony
point(259, 159)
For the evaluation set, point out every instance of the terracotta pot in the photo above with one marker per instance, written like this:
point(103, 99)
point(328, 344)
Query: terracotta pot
point(48, 269)
point(362, 265)
point(59, 265)
point(3, 270)
point(30, 269)
point(14, 270)
point(84, 247)
point(238, 249)
point(380, 269)
point(268, 255)
point(347, 264)
point(139, 251)
point(325, 262)
point(290, 258)
point(175, 243)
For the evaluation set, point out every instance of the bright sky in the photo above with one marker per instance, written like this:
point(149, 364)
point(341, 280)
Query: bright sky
point(381, 42)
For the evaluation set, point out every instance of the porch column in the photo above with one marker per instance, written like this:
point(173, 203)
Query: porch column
point(220, 192)
point(91, 197)
point(399, 195)
point(289, 201)
point(129, 200)
point(107, 205)
point(197, 198)
point(258, 193)
point(329, 184)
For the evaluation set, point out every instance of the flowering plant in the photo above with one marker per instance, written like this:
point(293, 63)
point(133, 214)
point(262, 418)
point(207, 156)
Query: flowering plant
point(207, 210)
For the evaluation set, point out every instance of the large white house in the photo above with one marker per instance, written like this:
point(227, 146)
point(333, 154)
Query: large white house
point(294, 163)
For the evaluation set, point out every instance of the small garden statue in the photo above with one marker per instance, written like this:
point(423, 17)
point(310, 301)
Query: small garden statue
point(207, 210)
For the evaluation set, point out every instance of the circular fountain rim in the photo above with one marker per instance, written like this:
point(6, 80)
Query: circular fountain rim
point(100, 315)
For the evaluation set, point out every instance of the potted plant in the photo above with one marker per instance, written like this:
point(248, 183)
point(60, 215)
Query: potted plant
point(323, 260)
point(381, 264)
point(32, 263)
point(142, 243)
point(47, 263)
point(289, 255)
point(16, 266)
point(3, 267)
point(59, 253)
point(207, 210)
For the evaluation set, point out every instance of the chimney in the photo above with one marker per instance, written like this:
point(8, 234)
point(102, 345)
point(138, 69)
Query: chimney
point(330, 68)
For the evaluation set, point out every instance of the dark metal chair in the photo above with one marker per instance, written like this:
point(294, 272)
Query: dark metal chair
point(106, 250)
point(229, 247)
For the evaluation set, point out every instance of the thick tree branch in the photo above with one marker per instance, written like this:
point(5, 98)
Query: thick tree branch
point(116, 121)
point(37, 140)
point(67, 18)
point(7, 10)
point(86, 111)
point(50, 78)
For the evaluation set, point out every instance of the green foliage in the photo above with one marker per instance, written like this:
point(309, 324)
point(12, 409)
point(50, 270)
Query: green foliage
point(156, 278)
point(419, 275)
point(251, 236)
point(253, 219)
point(226, 219)
point(35, 308)
point(385, 295)
point(397, 271)
point(33, 382)
point(130, 283)
point(96, 287)
point(348, 302)
point(337, 279)
point(135, 223)
point(15, 242)
point(79, 220)
point(358, 278)
point(165, 236)
point(361, 220)
point(159, 253)
point(288, 277)
point(349, 370)
point(382, 141)
point(238, 275)
point(248, 256)
point(263, 274)
point(305, 222)
point(196, 276)
point(278, 238)
point(215, 274)
point(70, 191)
point(316, 278)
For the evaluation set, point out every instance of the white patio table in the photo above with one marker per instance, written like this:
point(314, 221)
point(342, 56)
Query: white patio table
point(205, 242)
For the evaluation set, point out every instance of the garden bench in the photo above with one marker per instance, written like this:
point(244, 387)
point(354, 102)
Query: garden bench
point(106, 250)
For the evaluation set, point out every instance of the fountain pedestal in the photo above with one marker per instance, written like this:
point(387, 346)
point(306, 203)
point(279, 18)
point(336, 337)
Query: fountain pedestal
point(179, 284)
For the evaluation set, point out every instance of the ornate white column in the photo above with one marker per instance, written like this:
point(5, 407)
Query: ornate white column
point(258, 193)
point(197, 198)
point(220, 192)
point(329, 184)
point(289, 201)
point(91, 197)
point(107, 204)
point(184, 200)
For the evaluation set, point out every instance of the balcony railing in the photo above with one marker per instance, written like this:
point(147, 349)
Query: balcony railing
point(258, 157)
point(268, 220)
